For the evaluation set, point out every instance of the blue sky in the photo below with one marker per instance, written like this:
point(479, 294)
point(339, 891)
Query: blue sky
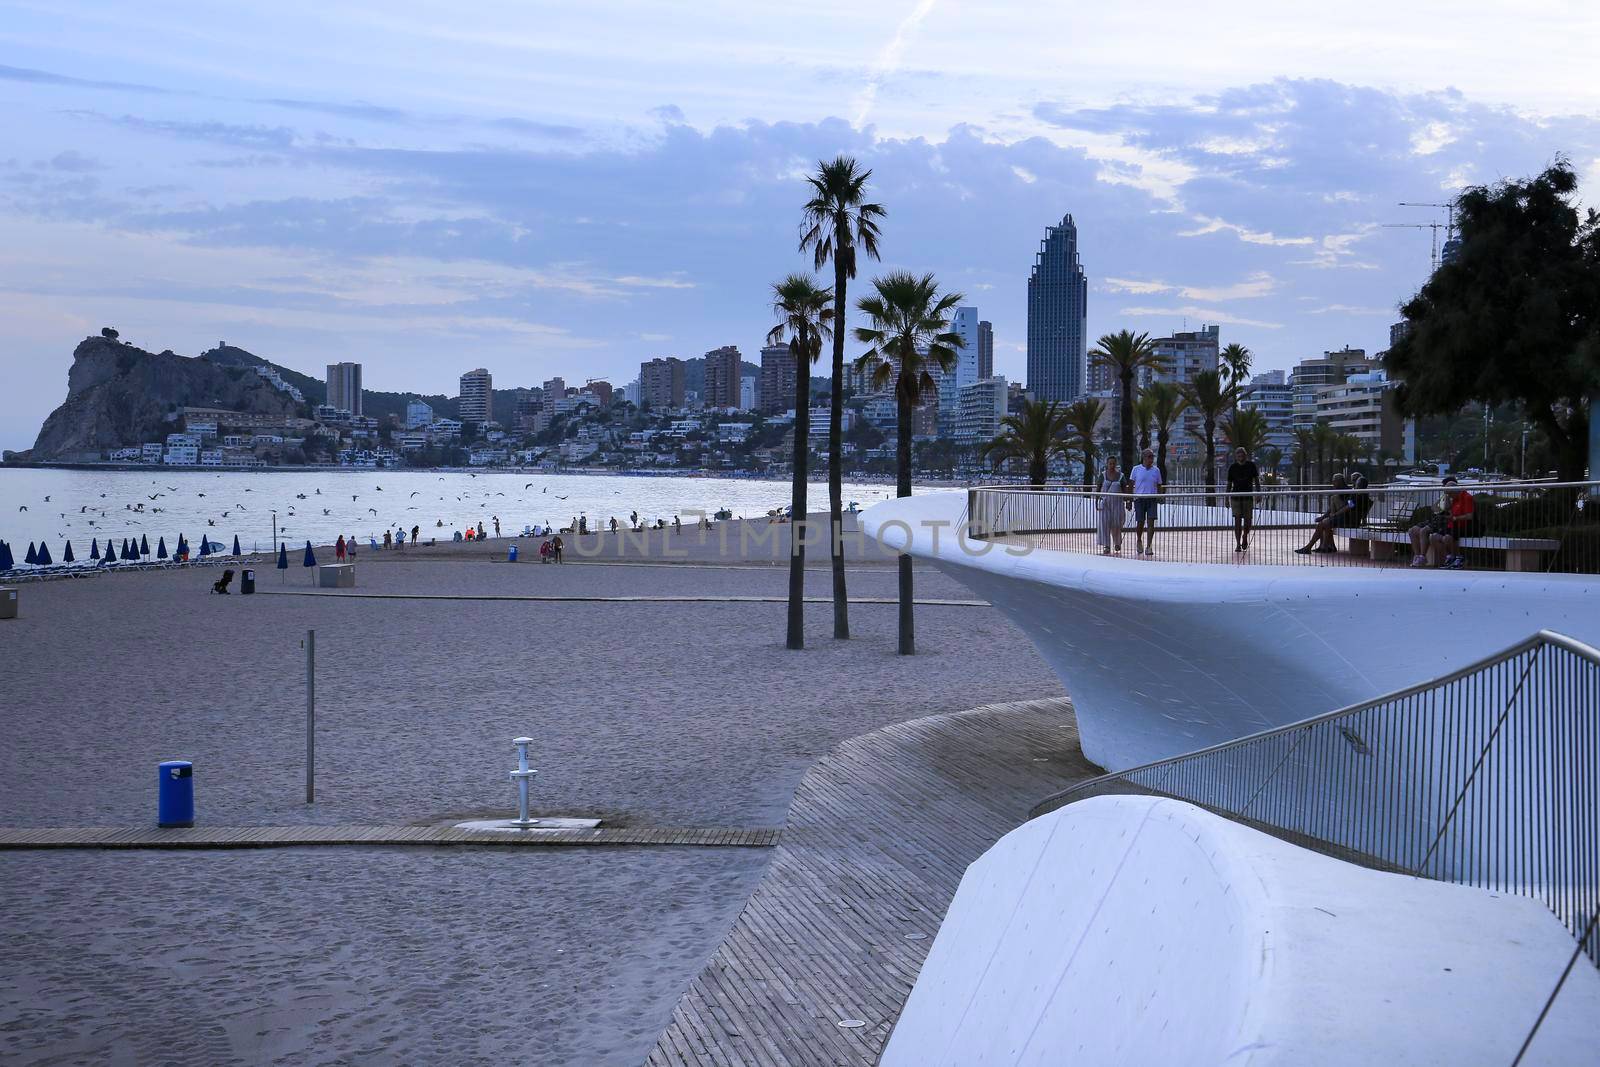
point(564, 188)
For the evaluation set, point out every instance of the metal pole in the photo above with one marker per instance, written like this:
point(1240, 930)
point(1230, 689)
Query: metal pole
point(311, 716)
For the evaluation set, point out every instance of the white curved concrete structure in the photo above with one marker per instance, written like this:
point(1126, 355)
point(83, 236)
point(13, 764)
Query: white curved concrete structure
point(1136, 930)
point(1163, 658)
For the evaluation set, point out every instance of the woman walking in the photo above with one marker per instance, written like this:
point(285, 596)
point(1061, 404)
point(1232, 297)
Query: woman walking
point(1110, 502)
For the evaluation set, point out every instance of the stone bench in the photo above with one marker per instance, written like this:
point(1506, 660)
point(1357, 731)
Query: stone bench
point(8, 602)
point(336, 576)
point(1521, 553)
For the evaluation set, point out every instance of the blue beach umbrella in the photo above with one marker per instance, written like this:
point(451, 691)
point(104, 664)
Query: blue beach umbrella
point(66, 554)
point(6, 562)
point(126, 551)
point(94, 548)
point(183, 547)
point(111, 551)
point(33, 555)
point(311, 559)
point(44, 555)
point(283, 557)
point(205, 546)
point(144, 545)
point(236, 551)
point(161, 548)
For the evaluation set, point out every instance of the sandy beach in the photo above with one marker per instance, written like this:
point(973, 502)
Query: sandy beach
point(670, 713)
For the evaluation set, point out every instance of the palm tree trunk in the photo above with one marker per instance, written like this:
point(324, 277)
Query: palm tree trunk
point(902, 487)
point(797, 497)
point(841, 610)
point(1211, 463)
point(1125, 412)
point(1038, 470)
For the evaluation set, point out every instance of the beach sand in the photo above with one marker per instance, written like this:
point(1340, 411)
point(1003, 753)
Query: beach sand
point(646, 714)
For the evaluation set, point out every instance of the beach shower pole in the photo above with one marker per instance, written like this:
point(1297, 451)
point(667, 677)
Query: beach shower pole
point(310, 644)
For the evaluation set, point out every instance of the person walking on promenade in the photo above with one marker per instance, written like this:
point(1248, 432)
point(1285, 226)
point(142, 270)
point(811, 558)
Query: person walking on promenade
point(1244, 478)
point(677, 524)
point(613, 524)
point(556, 547)
point(1111, 503)
point(1147, 487)
point(338, 549)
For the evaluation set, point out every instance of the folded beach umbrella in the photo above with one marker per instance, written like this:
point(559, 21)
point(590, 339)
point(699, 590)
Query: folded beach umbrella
point(283, 557)
point(33, 555)
point(66, 554)
point(311, 559)
point(94, 548)
point(236, 551)
point(205, 546)
point(144, 545)
point(161, 548)
point(111, 551)
point(125, 553)
point(44, 555)
point(182, 549)
point(6, 562)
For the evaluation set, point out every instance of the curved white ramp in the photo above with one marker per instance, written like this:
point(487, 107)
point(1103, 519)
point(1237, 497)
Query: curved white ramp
point(1138, 930)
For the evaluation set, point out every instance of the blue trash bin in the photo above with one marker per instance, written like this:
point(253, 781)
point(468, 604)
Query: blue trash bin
point(511, 554)
point(175, 794)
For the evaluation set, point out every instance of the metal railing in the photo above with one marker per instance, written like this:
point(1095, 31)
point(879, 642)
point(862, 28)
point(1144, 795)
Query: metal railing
point(1488, 776)
point(1552, 527)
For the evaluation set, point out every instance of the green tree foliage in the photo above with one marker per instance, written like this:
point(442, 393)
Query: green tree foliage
point(1515, 316)
point(1032, 435)
point(1126, 353)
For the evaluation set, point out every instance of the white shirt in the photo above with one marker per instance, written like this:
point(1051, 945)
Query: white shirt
point(1145, 479)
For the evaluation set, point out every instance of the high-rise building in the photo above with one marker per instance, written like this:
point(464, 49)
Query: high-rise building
point(477, 397)
point(1364, 407)
point(418, 414)
point(777, 379)
point(748, 388)
point(1309, 375)
point(964, 324)
point(1183, 356)
point(344, 387)
point(1058, 300)
point(722, 377)
point(601, 389)
point(983, 405)
point(1272, 395)
point(555, 388)
point(661, 383)
point(985, 349)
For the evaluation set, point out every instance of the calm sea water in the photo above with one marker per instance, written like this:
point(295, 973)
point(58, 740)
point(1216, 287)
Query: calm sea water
point(319, 505)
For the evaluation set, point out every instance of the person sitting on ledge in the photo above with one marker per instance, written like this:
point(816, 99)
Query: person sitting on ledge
point(1441, 532)
point(1342, 509)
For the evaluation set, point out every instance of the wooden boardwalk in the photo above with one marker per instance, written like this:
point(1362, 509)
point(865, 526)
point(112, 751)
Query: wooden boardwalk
point(821, 960)
point(215, 837)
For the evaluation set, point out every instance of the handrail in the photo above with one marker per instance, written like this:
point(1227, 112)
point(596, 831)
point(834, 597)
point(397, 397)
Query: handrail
point(1488, 775)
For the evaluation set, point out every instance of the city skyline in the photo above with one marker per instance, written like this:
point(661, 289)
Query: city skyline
point(423, 219)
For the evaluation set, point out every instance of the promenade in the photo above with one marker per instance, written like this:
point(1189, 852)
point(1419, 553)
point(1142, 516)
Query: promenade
point(657, 716)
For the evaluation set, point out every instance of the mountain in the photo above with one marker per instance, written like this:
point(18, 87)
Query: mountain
point(119, 395)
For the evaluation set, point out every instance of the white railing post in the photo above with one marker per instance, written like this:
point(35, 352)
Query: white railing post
point(522, 775)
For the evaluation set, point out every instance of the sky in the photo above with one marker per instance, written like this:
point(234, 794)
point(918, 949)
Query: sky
point(544, 189)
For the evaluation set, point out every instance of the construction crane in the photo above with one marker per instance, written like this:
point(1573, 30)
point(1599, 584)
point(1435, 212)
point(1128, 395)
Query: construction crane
point(1433, 260)
point(1450, 215)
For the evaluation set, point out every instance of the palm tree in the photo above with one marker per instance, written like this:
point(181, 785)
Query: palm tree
point(909, 334)
point(1143, 412)
point(1246, 430)
point(1126, 353)
point(1322, 442)
point(1305, 446)
point(1271, 459)
point(835, 221)
point(1033, 434)
point(1210, 398)
point(1083, 415)
point(806, 319)
point(1235, 360)
point(1167, 404)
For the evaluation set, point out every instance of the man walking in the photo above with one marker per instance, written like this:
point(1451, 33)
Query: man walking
point(1146, 478)
point(1244, 478)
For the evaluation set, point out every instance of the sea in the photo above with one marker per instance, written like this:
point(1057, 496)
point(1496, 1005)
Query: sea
point(320, 504)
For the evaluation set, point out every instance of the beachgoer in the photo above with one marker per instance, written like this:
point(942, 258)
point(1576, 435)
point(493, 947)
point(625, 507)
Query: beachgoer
point(677, 524)
point(556, 547)
point(388, 540)
point(415, 530)
point(1244, 477)
point(613, 524)
point(1444, 528)
point(481, 533)
point(338, 549)
point(497, 526)
point(1342, 508)
point(1147, 487)
point(400, 539)
point(544, 552)
point(1111, 503)
point(469, 533)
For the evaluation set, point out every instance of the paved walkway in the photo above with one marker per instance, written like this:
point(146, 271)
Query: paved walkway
point(937, 602)
point(209, 837)
point(823, 956)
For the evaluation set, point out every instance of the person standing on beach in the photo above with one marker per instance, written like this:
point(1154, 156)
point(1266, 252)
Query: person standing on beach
point(480, 530)
point(1147, 481)
point(497, 526)
point(388, 540)
point(338, 549)
point(415, 530)
point(1244, 478)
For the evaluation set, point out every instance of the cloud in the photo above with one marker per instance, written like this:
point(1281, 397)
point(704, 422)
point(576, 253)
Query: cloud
point(1351, 309)
point(637, 282)
point(362, 111)
point(76, 162)
point(1258, 285)
point(890, 58)
point(1200, 313)
point(253, 136)
point(45, 77)
point(655, 336)
point(1244, 233)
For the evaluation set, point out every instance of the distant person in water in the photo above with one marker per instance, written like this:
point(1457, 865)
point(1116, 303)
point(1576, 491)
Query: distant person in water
point(338, 549)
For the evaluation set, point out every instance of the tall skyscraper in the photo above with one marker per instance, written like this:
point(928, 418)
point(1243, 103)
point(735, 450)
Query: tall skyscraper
point(661, 383)
point(777, 380)
point(722, 377)
point(1058, 300)
point(985, 350)
point(344, 387)
point(477, 396)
